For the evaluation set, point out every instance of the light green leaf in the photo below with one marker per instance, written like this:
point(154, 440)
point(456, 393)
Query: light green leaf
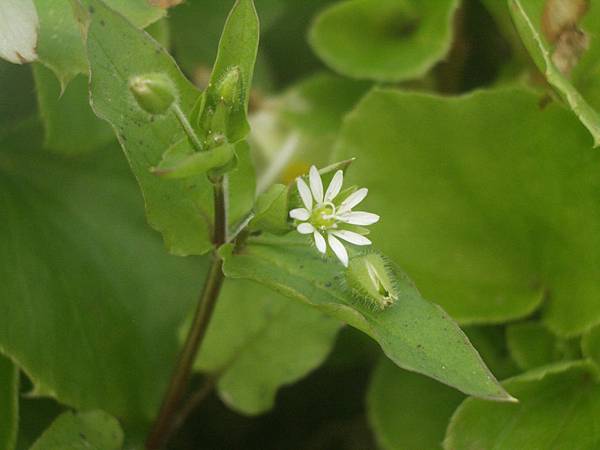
point(490, 342)
point(528, 18)
point(558, 408)
point(590, 344)
point(70, 124)
point(60, 46)
point(18, 31)
point(180, 209)
point(9, 403)
point(413, 333)
point(408, 411)
point(93, 430)
point(237, 51)
point(259, 341)
point(271, 210)
point(532, 345)
point(488, 218)
point(384, 40)
point(81, 272)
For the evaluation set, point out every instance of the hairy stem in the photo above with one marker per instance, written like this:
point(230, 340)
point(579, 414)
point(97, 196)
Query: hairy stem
point(187, 127)
point(167, 416)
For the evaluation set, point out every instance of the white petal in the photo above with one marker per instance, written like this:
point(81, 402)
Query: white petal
point(353, 199)
point(334, 186)
point(316, 185)
point(299, 214)
point(339, 249)
point(352, 237)
point(304, 193)
point(320, 242)
point(18, 30)
point(305, 228)
point(359, 218)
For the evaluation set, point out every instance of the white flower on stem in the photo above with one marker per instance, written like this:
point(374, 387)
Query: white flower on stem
point(327, 220)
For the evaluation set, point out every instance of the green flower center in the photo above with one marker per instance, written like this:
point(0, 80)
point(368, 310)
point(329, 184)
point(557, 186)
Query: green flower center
point(323, 216)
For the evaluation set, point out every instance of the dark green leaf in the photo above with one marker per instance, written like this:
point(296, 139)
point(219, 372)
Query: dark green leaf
point(9, 403)
point(414, 333)
point(384, 40)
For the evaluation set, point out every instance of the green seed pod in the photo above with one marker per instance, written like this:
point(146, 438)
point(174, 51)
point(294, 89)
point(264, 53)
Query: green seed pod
point(369, 279)
point(154, 93)
point(229, 87)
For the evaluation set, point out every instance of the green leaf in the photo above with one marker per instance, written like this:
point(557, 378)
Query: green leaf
point(532, 345)
point(237, 51)
point(271, 210)
point(528, 18)
point(490, 219)
point(258, 342)
point(70, 124)
point(81, 272)
point(490, 342)
point(590, 344)
point(384, 40)
point(93, 430)
point(181, 161)
point(408, 411)
point(180, 209)
point(413, 333)
point(557, 408)
point(59, 44)
point(9, 403)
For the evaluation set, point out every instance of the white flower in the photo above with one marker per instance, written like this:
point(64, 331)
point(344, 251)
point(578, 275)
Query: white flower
point(328, 220)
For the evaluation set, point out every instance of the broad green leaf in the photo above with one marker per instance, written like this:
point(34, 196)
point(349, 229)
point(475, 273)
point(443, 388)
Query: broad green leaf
point(237, 51)
point(60, 46)
point(486, 215)
point(408, 411)
point(558, 408)
point(180, 209)
point(490, 342)
point(9, 403)
point(527, 16)
point(259, 341)
point(35, 416)
point(413, 333)
point(18, 102)
point(70, 124)
point(384, 40)
point(532, 345)
point(18, 31)
point(93, 430)
point(81, 272)
point(590, 344)
point(271, 210)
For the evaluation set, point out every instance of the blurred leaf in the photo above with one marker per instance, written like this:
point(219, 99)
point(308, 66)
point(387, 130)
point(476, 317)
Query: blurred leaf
point(590, 344)
point(532, 345)
point(488, 218)
point(180, 209)
point(60, 46)
point(70, 124)
point(384, 40)
point(17, 98)
point(94, 430)
point(271, 210)
point(259, 341)
point(83, 274)
point(9, 403)
point(414, 333)
point(409, 411)
point(490, 342)
point(35, 415)
point(237, 49)
point(557, 408)
point(18, 31)
point(528, 18)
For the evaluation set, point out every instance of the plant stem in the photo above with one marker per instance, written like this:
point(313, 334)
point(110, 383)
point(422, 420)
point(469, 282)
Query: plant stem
point(166, 418)
point(187, 127)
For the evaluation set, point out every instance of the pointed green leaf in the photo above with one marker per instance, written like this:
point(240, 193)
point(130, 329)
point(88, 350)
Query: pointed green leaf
point(9, 403)
point(408, 411)
point(415, 334)
point(271, 210)
point(488, 218)
point(81, 272)
point(60, 46)
point(94, 430)
point(180, 209)
point(259, 341)
point(384, 40)
point(70, 124)
point(558, 408)
point(528, 19)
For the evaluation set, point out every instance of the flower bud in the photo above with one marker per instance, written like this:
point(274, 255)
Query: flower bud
point(230, 86)
point(154, 93)
point(369, 279)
